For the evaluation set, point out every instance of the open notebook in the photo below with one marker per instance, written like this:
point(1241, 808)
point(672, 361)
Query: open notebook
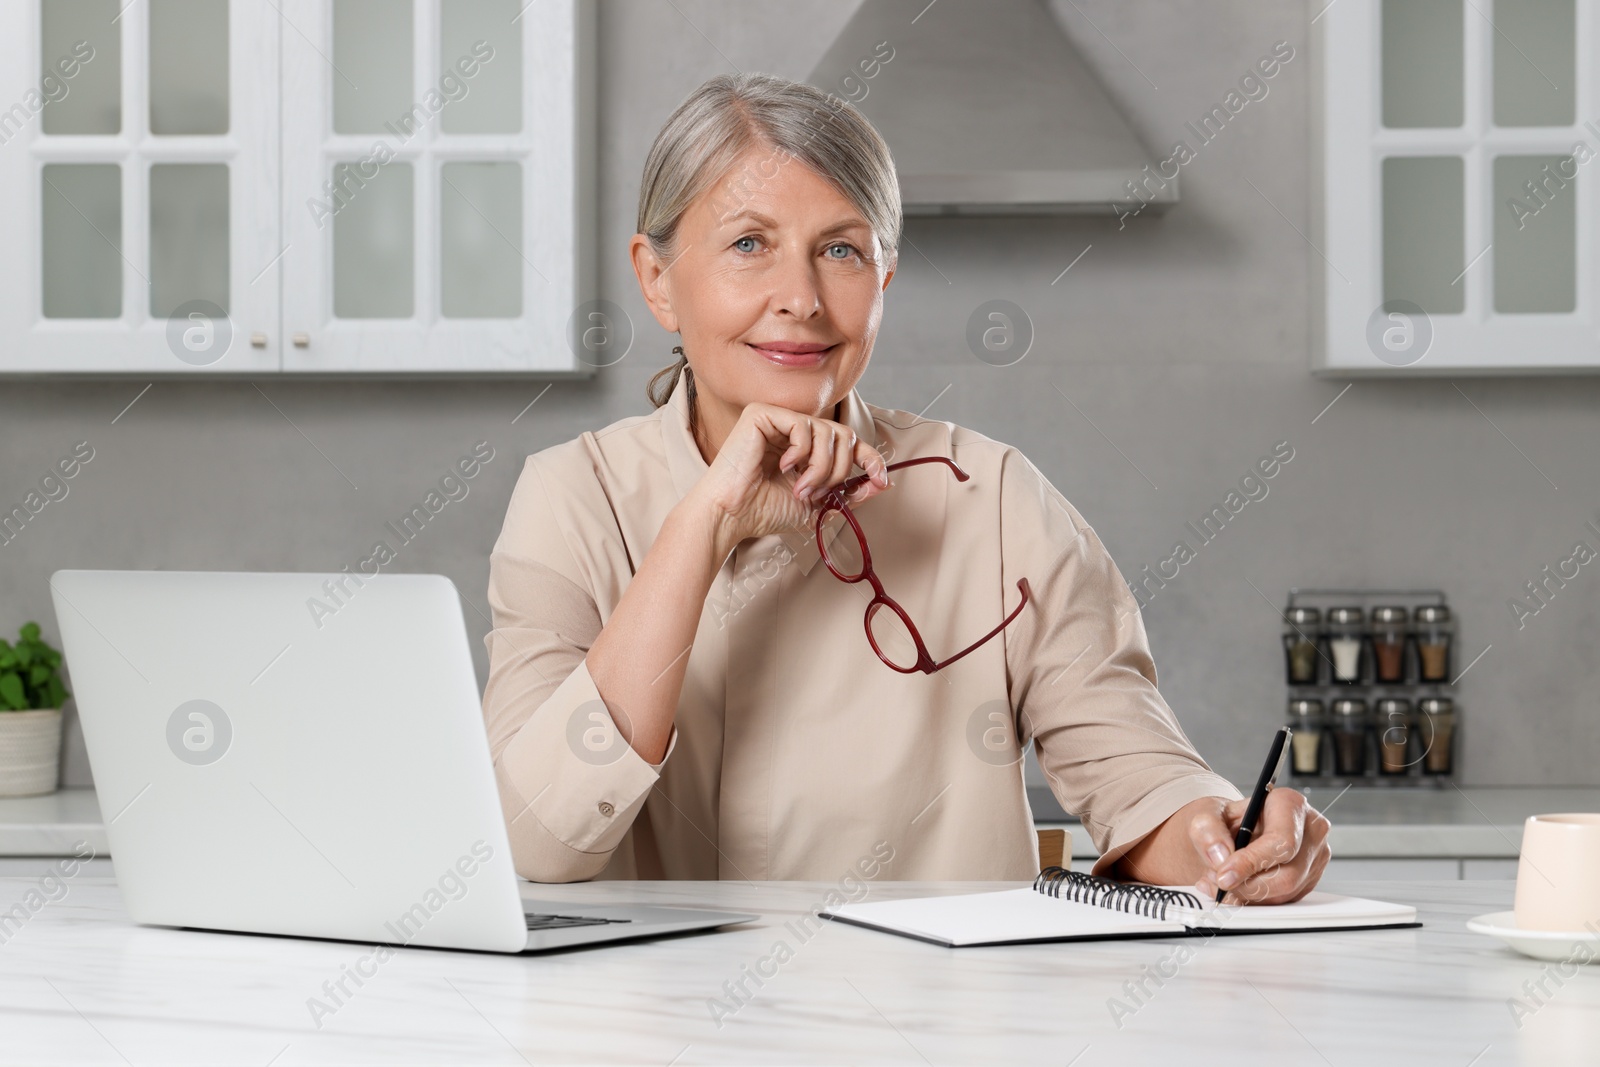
point(1069, 906)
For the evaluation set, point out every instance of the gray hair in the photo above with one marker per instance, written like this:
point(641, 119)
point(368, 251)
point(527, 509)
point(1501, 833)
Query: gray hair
point(724, 118)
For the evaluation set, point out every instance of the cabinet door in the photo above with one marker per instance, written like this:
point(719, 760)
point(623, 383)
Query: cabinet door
point(1455, 162)
point(438, 184)
point(139, 166)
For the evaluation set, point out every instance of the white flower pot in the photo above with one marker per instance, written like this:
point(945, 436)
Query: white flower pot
point(30, 752)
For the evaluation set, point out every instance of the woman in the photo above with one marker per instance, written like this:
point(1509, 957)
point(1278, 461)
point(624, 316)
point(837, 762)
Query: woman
point(676, 689)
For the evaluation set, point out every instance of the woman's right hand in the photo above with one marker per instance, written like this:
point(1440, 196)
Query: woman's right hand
point(773, 469)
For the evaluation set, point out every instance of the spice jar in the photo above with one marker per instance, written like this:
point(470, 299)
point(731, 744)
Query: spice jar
point(1350, 736)
point(1346, 638)
point(1389, 643)
point(1436, 723)
point(1433, 634)
point(1393, 723)
point(1305, 744)
point(1300, 626)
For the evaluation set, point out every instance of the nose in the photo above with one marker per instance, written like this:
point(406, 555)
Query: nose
point(795, 289)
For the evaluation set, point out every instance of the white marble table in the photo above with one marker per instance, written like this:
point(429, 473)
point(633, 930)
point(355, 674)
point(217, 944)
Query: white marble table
point(80, 985)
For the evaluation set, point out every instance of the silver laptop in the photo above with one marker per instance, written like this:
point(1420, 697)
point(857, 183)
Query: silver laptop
point(305, 754)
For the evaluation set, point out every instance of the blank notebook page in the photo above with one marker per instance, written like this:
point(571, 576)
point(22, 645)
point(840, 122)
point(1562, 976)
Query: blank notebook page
point(1029, 915)
point(1315, 909)
point(1006, 915)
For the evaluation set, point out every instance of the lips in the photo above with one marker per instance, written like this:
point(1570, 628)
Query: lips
point(793, 353)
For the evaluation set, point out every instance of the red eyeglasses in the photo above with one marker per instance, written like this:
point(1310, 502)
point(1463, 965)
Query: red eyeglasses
point(894, 637)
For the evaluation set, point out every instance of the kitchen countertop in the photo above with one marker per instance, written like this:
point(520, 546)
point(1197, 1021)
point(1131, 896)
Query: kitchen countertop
point(51, 825)
point(1378, 822)
point(1473, 821)
point(80, 984)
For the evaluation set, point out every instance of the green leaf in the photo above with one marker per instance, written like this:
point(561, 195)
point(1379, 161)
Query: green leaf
point(8, 659)
point(30, 631)
point(11, 691)
point(39, 675)
point(56, 692)
point(24, 655)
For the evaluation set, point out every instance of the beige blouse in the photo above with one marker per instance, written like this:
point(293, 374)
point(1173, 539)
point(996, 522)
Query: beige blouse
point(795, 751)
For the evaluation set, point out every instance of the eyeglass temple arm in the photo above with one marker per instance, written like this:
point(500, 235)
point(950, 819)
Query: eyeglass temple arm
point(1022, 585)
point(849, 485)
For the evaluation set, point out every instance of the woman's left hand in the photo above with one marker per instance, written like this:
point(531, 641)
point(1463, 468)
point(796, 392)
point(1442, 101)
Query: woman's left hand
point(1283, 860)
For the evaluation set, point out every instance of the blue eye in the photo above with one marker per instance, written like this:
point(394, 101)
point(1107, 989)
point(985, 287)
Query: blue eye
point(841, 244)
point(741, 241)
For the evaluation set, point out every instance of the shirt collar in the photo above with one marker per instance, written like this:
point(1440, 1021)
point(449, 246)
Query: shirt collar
point(687, 466)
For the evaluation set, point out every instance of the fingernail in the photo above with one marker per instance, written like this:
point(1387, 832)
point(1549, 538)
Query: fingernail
point(1228, 879)
point(1217, 853)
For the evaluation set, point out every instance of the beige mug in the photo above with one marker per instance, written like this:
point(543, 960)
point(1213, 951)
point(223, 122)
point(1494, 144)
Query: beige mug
point(1558, 873)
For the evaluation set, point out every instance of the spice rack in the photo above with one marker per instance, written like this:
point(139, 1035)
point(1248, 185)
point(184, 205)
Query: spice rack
point(1371, 699)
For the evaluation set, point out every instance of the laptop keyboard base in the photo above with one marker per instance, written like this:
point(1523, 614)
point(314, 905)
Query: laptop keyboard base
point(562, 922)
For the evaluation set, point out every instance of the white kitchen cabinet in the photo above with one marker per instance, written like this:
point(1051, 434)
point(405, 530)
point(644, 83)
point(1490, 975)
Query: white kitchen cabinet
point(1498, 870)
point(305, 187)
point(1341, 870)
point(1454, 212)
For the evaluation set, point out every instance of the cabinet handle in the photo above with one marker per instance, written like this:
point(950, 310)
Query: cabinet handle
point(302, 340)
point(258, 340)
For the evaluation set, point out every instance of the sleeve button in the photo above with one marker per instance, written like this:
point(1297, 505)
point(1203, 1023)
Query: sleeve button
point(606, 808)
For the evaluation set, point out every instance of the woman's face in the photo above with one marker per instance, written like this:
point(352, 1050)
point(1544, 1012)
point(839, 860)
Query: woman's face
point(776, 289)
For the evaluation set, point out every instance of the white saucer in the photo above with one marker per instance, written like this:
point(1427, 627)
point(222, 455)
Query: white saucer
point(1557, 945)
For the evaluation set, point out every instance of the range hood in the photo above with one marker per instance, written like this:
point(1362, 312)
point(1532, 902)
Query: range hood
point(989, 110)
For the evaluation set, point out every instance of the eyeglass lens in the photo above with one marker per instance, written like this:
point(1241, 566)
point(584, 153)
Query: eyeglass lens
point(894, 640)
point(840, 545)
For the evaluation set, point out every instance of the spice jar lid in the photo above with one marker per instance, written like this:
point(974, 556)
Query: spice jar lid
point(1389, 705)
point(1389, 613)
point(1305, 708)
point(1433, 613)
point(1349, 706)
point(1436, 705)
point(1346, 615)
point(1302, 615)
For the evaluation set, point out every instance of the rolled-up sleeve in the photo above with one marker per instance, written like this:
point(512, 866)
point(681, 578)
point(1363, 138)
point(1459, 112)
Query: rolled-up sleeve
point(1081, 676)
point(570, 786)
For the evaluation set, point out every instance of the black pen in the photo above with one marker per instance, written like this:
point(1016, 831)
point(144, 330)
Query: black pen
point(1252, 810)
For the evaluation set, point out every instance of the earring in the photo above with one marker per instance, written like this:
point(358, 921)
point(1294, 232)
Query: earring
point(678, 349)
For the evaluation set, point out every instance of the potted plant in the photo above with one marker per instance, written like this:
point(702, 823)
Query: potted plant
point(31, 694)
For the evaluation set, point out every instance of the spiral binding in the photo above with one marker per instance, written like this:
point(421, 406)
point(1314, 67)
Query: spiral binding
point(1151, 901)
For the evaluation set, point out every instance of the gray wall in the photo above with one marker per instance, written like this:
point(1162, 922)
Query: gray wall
point(1182, 341)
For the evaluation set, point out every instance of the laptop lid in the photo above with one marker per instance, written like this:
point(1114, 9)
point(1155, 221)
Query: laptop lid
point(291, 753)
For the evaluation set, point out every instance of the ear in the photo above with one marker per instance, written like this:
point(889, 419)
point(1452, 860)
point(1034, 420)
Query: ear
point(652, 275)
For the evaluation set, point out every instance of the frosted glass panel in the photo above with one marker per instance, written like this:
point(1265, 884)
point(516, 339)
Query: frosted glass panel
point(480, 240)
point(81, 234)
point(188, 235)
point(485, 94)
point(1535, 243)
point(1424, 243)
point(1422, 62)
point(81, 32)
point(372, 57)
point(1535, 56)
point(373, 238)
point(188, 67)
